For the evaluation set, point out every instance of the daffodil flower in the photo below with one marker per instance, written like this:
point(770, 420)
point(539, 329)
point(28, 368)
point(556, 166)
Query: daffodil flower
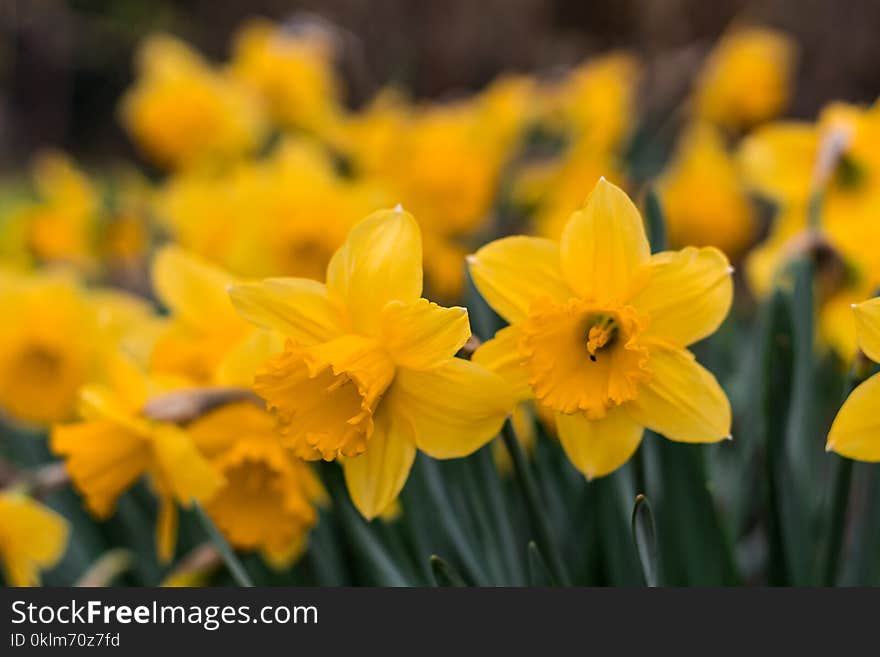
point(599, 329)
point(704, 200)
point(855, 432)
point(268, 497)
point(182, 112)
point(32, 538)
point(746, 79)
point(115, 444)
point(55, 337)
point(368, 373)
point(205, 342)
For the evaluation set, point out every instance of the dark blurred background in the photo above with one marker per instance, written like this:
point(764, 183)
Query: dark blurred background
point(63, 64)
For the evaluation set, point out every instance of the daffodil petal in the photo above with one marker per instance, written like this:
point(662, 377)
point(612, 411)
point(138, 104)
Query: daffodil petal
point(381, 261)
point(102, 458)
point(296, 307)
point(376, 477)
point(501, 355)
point(868, 327)
point(682, 401)
point(603, 245)
point(194, 290)
point(688, 294)
point(512, 272)
point(777, 160)
point(453, 409)
point(599, 447)
point(35, 537)
point(241, 363)
point(421, 334)
point(181, 468)
point(855, 432)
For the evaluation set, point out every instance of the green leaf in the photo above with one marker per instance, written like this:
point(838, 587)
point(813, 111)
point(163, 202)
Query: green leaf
point(655, 223)
point(539, 574)
point(787, 535)
point(361, 539)
point(644, 535)
point(444, 574)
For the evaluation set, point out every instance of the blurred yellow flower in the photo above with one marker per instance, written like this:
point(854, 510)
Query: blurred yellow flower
point(557, 188)
point(444, 161)
point(368, 372)
point(777, 161)
point(292, 71)
point(268, 497)
point(855, 432)
point(205, 342)
point(835, 160)
point(181, 111)
point(46, 346)
point(61, 225)
point(284, 215)
point(746, 79)
point(704, 201)
point(369, 135)
point(301, 213)
point(594, 109)
point(595, 102)
point(32, 538)
point(53, 339)
point(115, 444)
point(203, 213)
point(599, 328)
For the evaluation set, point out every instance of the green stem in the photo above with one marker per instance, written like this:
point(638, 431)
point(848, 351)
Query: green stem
point(537, 515)
point(840, 491)
point(842, 484)
point(236, 569)
point(444, 574)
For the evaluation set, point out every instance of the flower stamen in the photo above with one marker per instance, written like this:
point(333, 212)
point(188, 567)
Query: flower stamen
point(602, 334)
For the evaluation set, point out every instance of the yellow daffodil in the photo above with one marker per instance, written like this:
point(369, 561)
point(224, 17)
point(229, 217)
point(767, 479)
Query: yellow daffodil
point(61, 225)
point(292, 71)
point(704, 200)
point(746, 79)
point(203, 213)
point(855, 432)
point(205, 342)
point(46, 346)
point(54, 339)
point(836, 161)
point(368, 136)
point(444, 161)
point(777, 161)
point(115, 444)
point(594, 108)
point(599, 329)
point(368, 372)
point(301, 213)
point(181, 111)
point(596, 101)
point(284, 215)
point(267, 500)
point(32, 538)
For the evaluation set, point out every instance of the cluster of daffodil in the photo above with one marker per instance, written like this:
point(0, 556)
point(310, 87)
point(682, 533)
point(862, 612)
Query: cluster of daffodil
point(258, 303)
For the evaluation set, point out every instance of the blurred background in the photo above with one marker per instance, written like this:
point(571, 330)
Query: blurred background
point(63, 65)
